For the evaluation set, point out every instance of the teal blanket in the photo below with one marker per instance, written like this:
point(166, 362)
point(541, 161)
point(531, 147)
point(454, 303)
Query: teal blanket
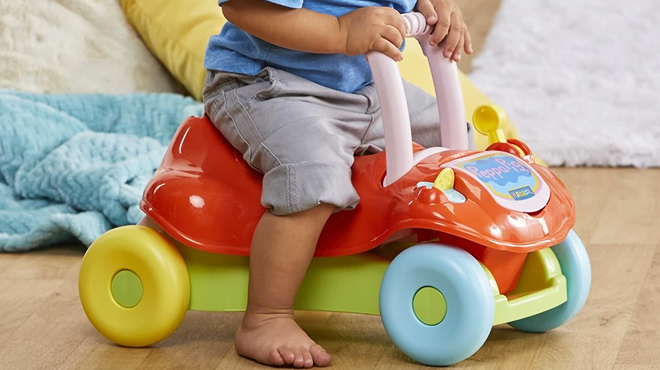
point(74, 166)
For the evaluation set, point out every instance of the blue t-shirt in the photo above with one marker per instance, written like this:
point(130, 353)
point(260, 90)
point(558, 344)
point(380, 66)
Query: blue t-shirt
point(234, 50)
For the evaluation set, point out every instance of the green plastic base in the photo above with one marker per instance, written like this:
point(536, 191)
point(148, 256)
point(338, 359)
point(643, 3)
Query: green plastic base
point(541, 287)
point(340, 284)
point(352, 283)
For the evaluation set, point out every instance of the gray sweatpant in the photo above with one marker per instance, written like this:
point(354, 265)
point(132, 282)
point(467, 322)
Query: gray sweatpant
point(303, 136)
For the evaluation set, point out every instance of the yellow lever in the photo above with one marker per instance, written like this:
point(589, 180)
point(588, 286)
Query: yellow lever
point(488, 119)
point(445, 180)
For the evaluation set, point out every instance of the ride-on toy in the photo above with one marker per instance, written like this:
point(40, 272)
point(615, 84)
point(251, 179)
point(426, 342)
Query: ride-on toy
point(493, 230)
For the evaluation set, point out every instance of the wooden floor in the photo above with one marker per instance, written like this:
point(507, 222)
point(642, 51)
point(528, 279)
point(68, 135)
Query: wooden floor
point(42, 325)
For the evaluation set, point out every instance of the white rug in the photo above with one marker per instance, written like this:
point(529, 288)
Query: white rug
point(580, 79)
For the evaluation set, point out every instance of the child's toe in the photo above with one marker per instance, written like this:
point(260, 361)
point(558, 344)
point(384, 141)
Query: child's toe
point(275, 358)
point(287, 354)
point(320, 356)
point(307, 357)
point(299, 360)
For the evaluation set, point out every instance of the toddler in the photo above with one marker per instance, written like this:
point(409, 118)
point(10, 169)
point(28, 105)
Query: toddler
point(288, 85)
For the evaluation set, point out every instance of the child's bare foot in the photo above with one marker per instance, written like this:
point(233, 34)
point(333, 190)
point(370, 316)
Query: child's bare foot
point(275, 339)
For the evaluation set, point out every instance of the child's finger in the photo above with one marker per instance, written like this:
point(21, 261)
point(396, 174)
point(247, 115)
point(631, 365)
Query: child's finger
point(388, 49)
point(426, 8)
point(454, 36)
point(467, 46)
point(398, 23)
point(441, 28)
point(392, 34)
point(456, 57)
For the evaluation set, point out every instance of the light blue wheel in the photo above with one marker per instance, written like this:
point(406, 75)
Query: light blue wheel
point(466, 295)
point(575, 266)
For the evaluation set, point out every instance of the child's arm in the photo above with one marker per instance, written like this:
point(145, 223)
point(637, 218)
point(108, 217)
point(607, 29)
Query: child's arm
point(370, 28)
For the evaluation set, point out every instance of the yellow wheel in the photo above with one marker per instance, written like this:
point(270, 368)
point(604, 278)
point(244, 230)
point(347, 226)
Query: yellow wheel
point(134, 286)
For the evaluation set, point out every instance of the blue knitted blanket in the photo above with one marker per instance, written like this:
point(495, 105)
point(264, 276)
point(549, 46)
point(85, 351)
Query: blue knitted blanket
point(74, 166)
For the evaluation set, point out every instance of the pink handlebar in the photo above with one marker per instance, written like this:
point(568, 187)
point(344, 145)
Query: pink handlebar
point(415, 24)
point(396, 119)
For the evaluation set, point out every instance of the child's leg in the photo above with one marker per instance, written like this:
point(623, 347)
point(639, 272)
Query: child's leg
point(282, 249)
point(302, 137)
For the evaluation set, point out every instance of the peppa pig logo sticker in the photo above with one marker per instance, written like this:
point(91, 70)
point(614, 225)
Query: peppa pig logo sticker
point(513, 183)
point(500, 172)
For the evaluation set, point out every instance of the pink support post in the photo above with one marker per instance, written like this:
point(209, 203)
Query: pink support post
point(396, 119)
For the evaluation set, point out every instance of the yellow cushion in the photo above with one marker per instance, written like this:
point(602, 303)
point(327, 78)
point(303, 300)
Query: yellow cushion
point(177, 32)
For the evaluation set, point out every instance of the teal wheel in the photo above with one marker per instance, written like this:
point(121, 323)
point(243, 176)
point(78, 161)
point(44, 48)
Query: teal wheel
point(437, 304)
point(575, 266)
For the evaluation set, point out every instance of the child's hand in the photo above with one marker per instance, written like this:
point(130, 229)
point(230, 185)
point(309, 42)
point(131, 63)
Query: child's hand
point(372, 28)
point(449, 25)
